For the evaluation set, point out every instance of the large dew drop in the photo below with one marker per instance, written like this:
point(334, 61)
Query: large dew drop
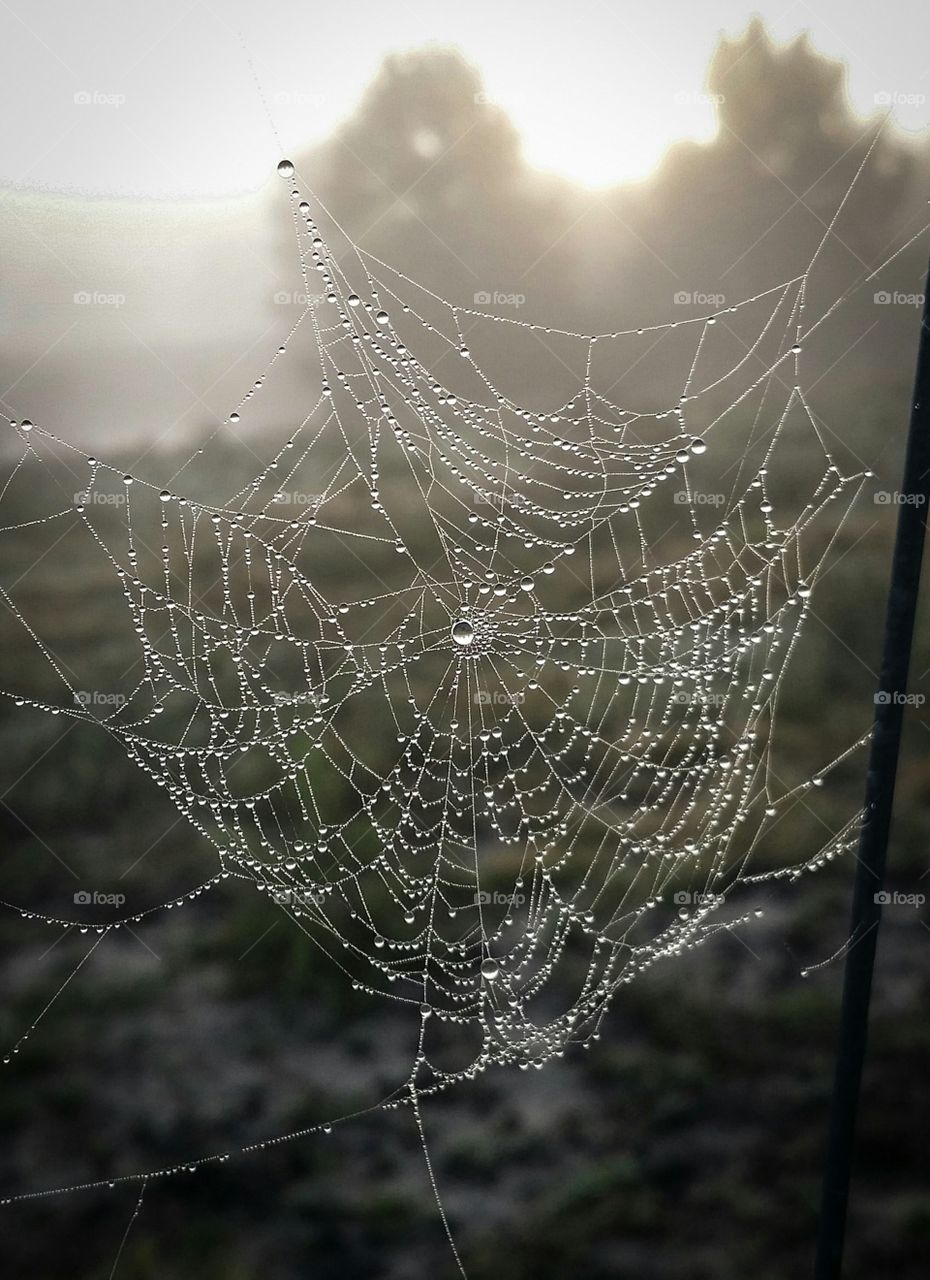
point(489, 969)
point(463, 632)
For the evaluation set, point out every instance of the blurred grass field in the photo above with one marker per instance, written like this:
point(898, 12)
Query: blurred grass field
point(685, 1143)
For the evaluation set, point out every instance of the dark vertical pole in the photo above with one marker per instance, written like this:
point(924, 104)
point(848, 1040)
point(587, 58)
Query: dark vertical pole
point(879, 796)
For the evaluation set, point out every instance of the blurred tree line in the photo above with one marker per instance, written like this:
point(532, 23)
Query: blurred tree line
point(429, 175)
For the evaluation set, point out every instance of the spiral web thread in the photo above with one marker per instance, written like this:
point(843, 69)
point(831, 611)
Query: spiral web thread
point(571, 662)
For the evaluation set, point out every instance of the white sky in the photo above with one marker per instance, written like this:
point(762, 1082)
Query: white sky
point(594, 86)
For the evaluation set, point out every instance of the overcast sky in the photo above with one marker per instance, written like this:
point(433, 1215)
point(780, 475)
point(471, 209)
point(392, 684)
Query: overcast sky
point(159, 99)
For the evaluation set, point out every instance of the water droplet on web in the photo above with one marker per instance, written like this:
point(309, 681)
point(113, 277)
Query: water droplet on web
point(489, 968)
point(463, 633)
point(285, 169)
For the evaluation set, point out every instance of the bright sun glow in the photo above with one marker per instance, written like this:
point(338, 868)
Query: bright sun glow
point(563, 144)
point(597, 100)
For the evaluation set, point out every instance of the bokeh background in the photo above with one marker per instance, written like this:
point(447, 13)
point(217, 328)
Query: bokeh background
point(623, 172)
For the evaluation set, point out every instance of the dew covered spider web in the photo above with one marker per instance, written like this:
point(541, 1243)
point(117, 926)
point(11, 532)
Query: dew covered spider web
point(538, 754)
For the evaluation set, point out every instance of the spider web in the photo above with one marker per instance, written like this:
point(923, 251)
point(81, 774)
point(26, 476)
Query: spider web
point(537, 755)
